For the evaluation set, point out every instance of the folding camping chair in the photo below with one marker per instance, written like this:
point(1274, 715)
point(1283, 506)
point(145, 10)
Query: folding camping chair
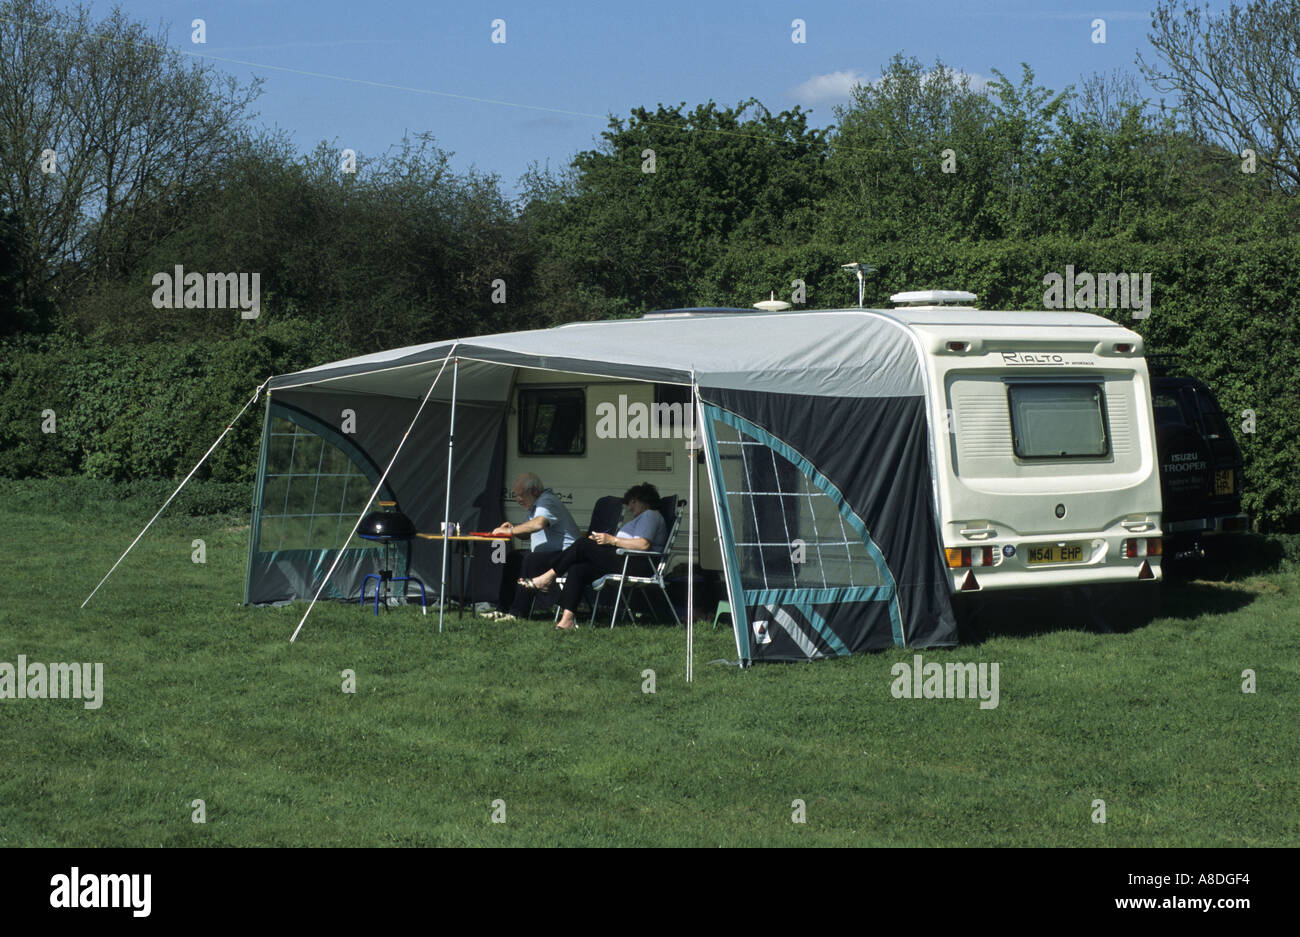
point(605, 515)
point(670, 508)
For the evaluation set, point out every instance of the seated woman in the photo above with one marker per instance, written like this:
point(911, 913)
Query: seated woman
point(588, 560)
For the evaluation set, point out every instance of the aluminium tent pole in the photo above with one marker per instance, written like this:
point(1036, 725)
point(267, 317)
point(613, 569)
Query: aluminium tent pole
point(378, 485)
point(446, 508)
point(257, 393)
point(690, 540)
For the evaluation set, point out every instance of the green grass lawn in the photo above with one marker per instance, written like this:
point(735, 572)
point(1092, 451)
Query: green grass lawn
point(205, 699)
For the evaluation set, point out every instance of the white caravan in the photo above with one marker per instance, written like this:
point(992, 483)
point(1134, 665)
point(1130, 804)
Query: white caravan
point(1042, 442)
point(1043, 445)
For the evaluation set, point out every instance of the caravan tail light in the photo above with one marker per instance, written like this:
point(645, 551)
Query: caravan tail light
point(961, 557)
point(1123, 348)
point(959, 346)
point(1135, 547)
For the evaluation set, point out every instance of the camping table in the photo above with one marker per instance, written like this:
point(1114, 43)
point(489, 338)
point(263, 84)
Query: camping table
point(465, 543)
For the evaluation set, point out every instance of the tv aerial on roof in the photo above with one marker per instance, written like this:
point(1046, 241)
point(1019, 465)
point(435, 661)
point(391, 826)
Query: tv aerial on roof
point(861, 269)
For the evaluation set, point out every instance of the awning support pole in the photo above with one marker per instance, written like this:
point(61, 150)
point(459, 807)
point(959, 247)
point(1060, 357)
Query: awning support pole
point(379, 485)
point(446, 508)
point(257, 393)
point(690, 537)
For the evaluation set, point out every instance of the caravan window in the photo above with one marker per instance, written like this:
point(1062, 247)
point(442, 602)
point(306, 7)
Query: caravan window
point(553, 422)
point(673, 410)
point(1058, 421)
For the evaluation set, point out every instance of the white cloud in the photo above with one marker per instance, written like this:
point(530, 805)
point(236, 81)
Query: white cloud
point(836, 87)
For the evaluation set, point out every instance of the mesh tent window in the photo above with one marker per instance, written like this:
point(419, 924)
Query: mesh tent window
point(315, 483)
point(799, 554)
point(788, 532)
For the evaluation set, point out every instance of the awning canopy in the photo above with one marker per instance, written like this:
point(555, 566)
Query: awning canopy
point(850, 353)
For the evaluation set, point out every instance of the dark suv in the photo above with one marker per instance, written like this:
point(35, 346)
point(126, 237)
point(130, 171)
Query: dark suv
point(1200, 464)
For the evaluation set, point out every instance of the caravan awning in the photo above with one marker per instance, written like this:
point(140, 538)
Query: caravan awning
point(852, 353)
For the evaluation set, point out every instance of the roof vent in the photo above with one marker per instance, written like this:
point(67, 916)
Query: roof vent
point(773, 305)
point(931, 297)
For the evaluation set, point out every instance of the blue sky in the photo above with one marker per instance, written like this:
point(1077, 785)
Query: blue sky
point(418, 66)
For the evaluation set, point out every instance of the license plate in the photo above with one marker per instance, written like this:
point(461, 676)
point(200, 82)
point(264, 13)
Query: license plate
point(1223, 482)
point(1070, 553)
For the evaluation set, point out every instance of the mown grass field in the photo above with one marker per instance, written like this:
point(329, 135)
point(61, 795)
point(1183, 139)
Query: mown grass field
point(205, 699)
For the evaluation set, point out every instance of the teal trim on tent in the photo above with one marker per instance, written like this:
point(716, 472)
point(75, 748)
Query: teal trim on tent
point(805, 601)
point(830, 637)
point(809, 471)
point(828, 596)
point(739, 616)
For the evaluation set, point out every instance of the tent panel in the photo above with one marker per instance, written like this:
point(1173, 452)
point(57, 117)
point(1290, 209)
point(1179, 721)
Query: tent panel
point(258, 487)
point(323, 463)
point(726, 526)
point(802, 558)
point(874, 455)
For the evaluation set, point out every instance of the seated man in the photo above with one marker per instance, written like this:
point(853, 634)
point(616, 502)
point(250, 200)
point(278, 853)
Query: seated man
point(588, 560)
point(551, 529)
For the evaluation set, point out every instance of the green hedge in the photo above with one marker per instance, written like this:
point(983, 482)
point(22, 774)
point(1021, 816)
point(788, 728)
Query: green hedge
point(145, 411)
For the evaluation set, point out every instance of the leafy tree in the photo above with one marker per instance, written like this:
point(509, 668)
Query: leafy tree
point(640, 222)
point(403, 251)
point(1237, 78)
point(890, 156)
point(921, 154)
point(129, 130)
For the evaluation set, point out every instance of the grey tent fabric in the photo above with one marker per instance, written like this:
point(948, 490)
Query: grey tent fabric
point(850, 353)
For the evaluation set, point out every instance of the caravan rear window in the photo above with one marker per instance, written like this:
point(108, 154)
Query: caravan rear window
point(1058, 421)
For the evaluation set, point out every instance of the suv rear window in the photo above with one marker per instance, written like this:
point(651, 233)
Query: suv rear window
point(1216, 426)
point(1166, 409)
point(1058, 421)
